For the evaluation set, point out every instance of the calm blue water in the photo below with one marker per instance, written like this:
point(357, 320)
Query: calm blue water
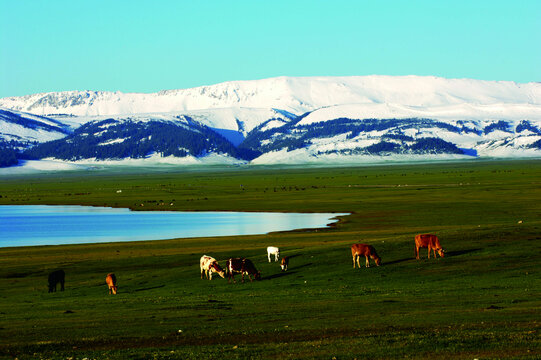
point(53, 225)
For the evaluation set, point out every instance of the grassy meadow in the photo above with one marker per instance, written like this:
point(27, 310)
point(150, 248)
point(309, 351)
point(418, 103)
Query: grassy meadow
point(482, 301)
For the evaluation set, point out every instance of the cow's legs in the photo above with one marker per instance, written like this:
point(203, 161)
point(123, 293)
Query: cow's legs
point(354, 261)
point(269, 256)
point(367, 261)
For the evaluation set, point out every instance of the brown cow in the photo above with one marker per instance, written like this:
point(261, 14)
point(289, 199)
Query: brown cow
point(365, 250)
point(111, 283)
point(243, 266)
point(284, 263)
point(428, 241)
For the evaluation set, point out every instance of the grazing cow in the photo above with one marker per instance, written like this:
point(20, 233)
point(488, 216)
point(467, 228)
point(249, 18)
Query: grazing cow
point(56, 277)
point(272, 250)
point(428, 241)
point(368, 251)
point(111, 283)
point(243, 266)
point(284, 263)
point(209, 265)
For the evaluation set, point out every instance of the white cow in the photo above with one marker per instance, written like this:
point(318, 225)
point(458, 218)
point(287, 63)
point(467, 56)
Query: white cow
point(272, 250)
point(208, 265)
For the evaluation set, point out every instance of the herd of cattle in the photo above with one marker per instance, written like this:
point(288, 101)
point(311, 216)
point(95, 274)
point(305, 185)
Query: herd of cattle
point(209, 265)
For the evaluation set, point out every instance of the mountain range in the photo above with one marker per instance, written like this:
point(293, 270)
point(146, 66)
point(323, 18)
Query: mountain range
point(293, 120)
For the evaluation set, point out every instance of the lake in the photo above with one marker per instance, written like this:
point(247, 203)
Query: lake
point(29, 225)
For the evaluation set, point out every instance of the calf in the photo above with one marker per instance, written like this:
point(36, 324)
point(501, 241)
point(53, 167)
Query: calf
point(272, 250)
point(56, 277)
point(243, 266)
point(111, 283)
point(367, 251)
point(209, 265)
point(284, 263)
point(428, 241)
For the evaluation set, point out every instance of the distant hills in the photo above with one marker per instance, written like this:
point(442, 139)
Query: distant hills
point(281, 120)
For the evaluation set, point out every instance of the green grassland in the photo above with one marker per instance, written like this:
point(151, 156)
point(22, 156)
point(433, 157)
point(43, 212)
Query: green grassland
point(483, 300)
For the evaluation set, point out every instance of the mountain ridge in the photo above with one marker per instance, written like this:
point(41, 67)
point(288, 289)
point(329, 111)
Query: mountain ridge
point(292, 94)
point(284, 120)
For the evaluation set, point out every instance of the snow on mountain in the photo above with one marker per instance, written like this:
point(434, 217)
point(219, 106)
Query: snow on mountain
point(293, 94)
point(23, 128)
point(232, 123)
point(41, 166)
point(464, 111)
point(299, 156)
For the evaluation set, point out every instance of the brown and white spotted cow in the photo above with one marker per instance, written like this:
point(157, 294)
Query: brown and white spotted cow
point(368, 251)
point(428, 241)
point(209, 265)
point(111, 283)
point(242, 266)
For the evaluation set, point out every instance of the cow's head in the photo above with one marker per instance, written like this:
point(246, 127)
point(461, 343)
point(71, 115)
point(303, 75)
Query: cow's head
point(441, 252)
point(377, 259)
point(218, 269)
point(257, 276)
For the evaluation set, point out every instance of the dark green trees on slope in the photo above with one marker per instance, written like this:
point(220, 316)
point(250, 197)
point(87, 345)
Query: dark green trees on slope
point(118, 139)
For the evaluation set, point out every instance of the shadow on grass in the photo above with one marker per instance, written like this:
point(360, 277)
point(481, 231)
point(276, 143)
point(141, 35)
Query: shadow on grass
point(278, 275)
point(285, 273)
point(461, 252)
point(385, 263)
point(447, 254)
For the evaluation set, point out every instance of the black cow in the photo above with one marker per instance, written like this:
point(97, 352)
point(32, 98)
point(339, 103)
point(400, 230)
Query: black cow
point(56, 277)
point(243, 266)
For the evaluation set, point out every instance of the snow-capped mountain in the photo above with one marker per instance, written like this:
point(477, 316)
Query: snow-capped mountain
point(293, 120)
point(295, 95)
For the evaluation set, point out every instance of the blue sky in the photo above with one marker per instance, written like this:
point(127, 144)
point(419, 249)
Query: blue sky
point(147, 46)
